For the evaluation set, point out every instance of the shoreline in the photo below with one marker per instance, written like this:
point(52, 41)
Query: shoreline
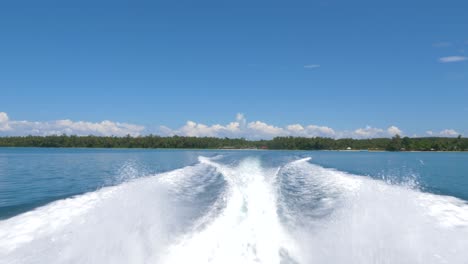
point(239, 149)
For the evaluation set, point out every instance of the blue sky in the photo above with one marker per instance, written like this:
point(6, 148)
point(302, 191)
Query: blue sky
point(335, 64)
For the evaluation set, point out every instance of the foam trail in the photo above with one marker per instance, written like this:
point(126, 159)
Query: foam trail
point(215, 213)
point(129, 223)
point(248, 230)
point(356, 219)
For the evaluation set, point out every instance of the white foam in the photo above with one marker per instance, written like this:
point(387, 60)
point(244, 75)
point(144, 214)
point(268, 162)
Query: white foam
point(248, 230)
point(129, 223)
point(374, 222)
point(300, 213)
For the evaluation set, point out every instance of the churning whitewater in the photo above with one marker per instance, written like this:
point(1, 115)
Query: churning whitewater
point(243, 212)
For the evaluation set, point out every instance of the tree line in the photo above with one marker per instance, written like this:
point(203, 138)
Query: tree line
point(396, 143)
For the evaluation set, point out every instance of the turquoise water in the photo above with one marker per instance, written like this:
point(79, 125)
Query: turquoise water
point(184, 206)
point(30, 177)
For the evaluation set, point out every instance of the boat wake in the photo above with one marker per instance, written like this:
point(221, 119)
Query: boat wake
point(245, 213)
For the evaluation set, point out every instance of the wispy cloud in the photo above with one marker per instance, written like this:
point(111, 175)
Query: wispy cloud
point(453, 59)
point(312, 66)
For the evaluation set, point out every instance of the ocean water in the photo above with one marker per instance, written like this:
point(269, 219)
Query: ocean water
point(184, 206)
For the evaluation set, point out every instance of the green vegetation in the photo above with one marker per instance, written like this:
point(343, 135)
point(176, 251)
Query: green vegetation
point(293, 143)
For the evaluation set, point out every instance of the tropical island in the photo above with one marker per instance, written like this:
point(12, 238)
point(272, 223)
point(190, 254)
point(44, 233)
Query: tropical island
point(395, 143)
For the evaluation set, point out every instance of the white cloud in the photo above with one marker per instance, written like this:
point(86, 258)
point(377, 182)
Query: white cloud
point(193, 129)
point(373, 132)
point(3, 117)
point(393, 130)
point(452, 59)
point(250, 130)
point(296, 128)
point(262, 130)
point(310, 131)
point(312, 66)
point(368, 132)
point(236, 129)
point(66, 126)
point(4, 126)
point(449, 133)
point(319, 131)
point(443, 133)
point(165, 131)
